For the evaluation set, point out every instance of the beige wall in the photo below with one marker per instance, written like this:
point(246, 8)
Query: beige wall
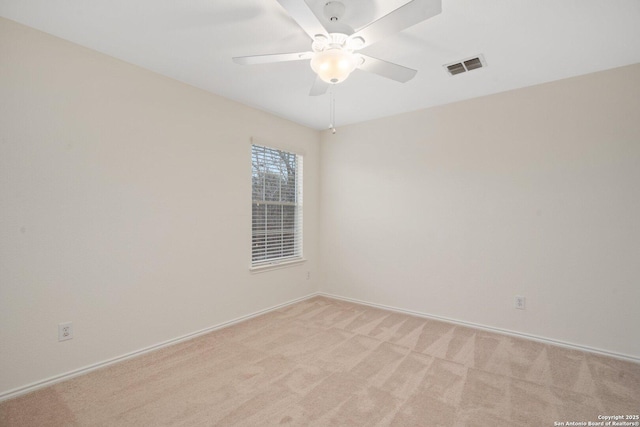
point(453, 211)
point(125, 207)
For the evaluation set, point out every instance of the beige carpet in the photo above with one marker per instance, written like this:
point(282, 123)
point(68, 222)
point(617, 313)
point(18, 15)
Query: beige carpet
point(331, 363)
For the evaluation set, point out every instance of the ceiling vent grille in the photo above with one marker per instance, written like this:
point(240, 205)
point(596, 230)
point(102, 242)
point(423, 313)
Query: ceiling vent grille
point(466, 65)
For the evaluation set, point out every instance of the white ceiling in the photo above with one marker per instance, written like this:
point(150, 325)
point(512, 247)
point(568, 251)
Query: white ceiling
point(524, 42)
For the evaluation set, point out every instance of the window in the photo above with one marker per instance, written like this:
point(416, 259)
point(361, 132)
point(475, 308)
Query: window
point(276, 231)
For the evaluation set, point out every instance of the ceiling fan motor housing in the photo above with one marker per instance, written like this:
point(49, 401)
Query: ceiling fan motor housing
point(334, 41)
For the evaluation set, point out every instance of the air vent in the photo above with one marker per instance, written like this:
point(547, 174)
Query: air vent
point(456, 69)
point(466, 65)
point(472, 64)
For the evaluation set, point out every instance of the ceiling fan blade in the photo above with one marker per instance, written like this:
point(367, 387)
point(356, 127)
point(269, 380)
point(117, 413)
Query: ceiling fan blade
point(302, 14)
point(270, 58)
point(403, 17)
point(319, 87)
point(387, 69)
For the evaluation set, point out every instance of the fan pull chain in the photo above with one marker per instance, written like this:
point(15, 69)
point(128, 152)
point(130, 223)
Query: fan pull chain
point(332, 111)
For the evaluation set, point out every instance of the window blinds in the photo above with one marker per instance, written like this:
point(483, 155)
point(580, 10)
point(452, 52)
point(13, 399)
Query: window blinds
point(276, 231)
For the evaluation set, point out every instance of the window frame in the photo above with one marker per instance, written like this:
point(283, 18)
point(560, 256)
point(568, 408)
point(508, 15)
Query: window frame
point(271, 256)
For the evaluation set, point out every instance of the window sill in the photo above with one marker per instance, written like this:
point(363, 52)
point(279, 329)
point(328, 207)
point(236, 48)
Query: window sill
point(276, 266)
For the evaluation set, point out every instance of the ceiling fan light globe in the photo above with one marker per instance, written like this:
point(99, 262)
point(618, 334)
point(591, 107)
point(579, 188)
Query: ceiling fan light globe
point(333, 65)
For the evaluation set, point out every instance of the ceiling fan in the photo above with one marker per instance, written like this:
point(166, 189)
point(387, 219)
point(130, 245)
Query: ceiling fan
point(333, 49)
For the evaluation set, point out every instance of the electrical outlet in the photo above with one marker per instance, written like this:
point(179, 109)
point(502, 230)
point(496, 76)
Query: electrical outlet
point(519, 302)
point(308, 275)
point(65, 331)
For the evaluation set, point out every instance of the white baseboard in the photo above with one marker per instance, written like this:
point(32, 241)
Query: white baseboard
point(489, 328)
point(86, 369)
